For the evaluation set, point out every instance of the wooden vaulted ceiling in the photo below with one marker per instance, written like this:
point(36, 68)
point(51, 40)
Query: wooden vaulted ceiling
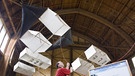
point(108, 24)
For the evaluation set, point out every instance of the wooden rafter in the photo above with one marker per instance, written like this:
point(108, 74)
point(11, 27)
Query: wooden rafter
point(10, 19)
point(99, 19)
point(121, 10)
point(78, 46)
point(16, 3)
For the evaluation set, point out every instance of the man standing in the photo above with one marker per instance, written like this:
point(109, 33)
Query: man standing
point(61, 71)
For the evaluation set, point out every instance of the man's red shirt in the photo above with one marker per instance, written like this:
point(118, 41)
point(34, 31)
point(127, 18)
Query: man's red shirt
point(62, 72)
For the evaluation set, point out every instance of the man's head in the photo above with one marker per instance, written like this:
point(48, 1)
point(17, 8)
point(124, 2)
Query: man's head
point(59, 64)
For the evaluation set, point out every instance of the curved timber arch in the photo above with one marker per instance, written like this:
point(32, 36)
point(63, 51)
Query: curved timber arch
point(129, 40)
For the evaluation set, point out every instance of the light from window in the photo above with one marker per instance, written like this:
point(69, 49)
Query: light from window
point(4, 37)
point(2, 34)
point(133, 60)
point(4, 43)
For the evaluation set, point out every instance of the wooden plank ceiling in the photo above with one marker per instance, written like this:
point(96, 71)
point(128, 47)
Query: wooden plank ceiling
point(108, 24)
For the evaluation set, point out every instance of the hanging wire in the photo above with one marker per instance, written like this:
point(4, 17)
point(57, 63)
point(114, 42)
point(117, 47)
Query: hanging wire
point(65, 58)
point(127, 52)
point(40, 71)
point(62, 51)
point(81, 54)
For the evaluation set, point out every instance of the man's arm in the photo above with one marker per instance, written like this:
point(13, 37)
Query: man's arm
point(68, 65)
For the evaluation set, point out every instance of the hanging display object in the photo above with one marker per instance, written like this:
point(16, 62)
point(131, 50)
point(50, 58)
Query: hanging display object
point(96, 55)
point(54, 22)
point(81, 66)
point(35, 58)
point(24, 69)
point(35, 41)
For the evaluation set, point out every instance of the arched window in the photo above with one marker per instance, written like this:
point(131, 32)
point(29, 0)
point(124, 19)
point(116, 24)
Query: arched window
point(4, 37)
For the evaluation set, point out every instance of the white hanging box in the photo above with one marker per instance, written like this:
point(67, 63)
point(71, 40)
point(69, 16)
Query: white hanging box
point(24, 69)
point(54, 22)
point(35, 41)
point(96, 55)
point(35, 58)
point(81, 66)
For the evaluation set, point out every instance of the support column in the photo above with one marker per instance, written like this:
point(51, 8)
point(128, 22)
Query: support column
point(52, 58)
point(71, 57)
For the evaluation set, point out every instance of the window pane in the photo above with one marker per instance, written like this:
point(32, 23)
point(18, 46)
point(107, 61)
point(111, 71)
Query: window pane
point(2, 34)
point(4, 43)
point(0, 23)
point(133, 60)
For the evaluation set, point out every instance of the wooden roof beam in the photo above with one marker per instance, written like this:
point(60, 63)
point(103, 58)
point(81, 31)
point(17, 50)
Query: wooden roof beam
point(10, 19)
point(85, 46)
point(125, 36)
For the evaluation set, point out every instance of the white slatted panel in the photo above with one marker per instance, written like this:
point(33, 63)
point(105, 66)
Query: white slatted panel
point(96, 55)
point(54, 23)
point(82, 67)
point(35, 41)
point(24, 69)
point(35, 58)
